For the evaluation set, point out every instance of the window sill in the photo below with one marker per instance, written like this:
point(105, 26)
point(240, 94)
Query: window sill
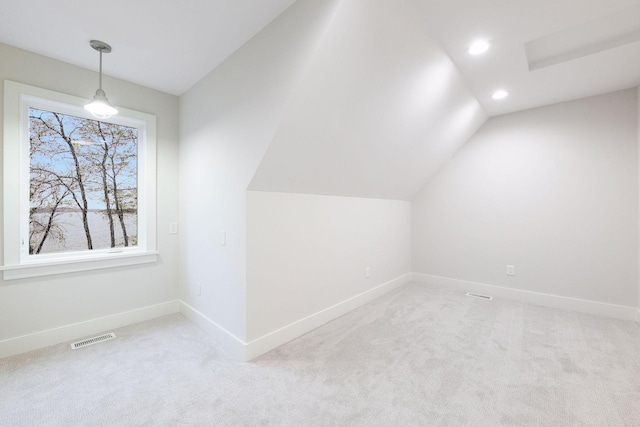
point(48, 268)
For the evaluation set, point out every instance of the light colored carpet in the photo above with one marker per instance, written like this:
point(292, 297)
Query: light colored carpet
point(418, 356)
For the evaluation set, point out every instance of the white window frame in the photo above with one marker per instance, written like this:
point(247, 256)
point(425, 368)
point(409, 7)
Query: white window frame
point(18, 263)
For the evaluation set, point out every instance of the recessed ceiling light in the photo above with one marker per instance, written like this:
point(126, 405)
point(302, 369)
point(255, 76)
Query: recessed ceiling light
point(478, 47)
point(500, 94)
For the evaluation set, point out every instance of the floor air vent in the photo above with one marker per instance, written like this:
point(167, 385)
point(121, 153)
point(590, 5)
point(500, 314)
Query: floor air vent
point(469, 294)
point(94, 340)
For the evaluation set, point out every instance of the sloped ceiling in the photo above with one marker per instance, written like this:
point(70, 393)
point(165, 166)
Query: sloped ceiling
point(379, 110)
point(383, 103)
point(170, 45)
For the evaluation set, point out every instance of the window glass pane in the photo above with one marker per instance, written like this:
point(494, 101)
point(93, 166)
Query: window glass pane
point(83, 184)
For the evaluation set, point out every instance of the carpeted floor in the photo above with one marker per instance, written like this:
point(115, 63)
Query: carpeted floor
point(418, 356)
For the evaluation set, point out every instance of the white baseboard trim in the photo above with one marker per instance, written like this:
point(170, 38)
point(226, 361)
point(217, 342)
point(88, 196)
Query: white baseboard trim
point(229, 342)
point(300, 327)
point(547, 300)
point(24, 343)
point(244, 351)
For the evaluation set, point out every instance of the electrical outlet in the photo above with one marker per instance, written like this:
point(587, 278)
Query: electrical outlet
point(173, 228)
point(367, 272)
point(223, 238)
point(511, 270)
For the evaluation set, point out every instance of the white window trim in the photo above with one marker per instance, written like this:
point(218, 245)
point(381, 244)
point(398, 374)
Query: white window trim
point(17, 99)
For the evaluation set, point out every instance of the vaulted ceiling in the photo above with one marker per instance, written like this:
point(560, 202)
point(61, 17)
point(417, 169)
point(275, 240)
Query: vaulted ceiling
point(379, 109)
point(170, 45)
point(385, 92)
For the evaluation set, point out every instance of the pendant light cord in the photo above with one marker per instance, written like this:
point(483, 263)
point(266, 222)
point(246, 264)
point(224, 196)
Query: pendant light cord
point(100, 75)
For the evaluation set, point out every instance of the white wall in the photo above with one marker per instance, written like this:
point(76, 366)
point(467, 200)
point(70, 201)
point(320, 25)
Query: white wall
point(28, 306)
point(227, 121)
point(307, 253)
point(553, 191)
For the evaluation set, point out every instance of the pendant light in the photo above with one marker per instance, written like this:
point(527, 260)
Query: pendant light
point(100, 107)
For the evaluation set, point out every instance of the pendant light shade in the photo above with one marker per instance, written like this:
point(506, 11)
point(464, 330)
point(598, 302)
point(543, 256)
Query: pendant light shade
point(100, 106)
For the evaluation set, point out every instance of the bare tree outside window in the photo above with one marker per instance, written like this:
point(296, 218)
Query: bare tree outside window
point(83, 184)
